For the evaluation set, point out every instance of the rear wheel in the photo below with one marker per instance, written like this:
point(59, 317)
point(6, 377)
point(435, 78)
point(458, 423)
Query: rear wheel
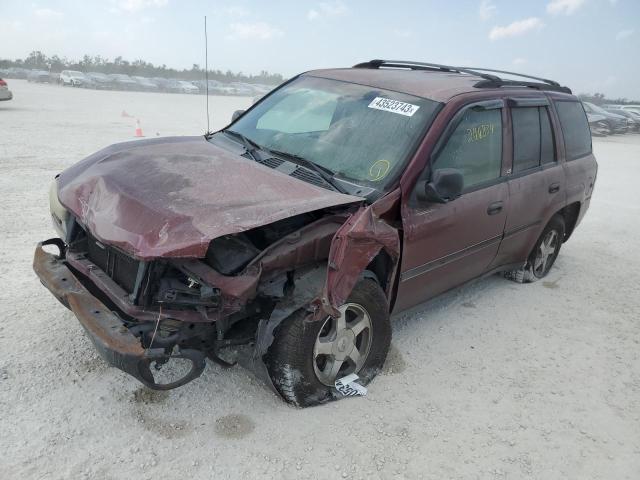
point(307, 358)
point(544, 253)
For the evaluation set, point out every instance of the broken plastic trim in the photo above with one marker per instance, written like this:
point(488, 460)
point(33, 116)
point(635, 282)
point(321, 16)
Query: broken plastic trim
point(196, 357)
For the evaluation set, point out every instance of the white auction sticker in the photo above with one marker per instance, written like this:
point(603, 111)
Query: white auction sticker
point(348, 387)
point(394, 106)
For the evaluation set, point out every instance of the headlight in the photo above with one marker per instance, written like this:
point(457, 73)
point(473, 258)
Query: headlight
point(59, 214)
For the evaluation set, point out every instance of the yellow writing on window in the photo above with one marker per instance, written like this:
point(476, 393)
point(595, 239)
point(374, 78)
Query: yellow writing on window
point(479, 132)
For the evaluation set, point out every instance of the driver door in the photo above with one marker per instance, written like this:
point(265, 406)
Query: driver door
point(446, 244)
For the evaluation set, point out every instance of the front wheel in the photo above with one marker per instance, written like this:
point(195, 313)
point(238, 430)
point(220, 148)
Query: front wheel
point(307, 357)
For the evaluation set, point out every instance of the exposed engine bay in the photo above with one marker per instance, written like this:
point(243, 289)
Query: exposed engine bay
point(195, 308)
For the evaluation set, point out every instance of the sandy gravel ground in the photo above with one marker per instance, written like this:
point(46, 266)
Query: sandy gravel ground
point(494, 380)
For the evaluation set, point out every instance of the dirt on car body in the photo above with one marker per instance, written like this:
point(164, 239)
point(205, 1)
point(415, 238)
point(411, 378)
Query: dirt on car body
point(339, 198)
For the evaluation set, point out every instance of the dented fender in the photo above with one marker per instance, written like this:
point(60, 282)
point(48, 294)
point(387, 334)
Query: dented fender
point(356, 243)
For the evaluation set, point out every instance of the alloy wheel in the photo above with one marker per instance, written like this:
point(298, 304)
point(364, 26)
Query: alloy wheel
point(545, 255)
point(343, 344)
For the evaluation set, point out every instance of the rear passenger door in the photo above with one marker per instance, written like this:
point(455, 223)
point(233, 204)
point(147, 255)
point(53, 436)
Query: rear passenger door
point(537, 181)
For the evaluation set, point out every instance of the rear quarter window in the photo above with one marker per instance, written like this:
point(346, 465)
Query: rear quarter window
point(575, 129)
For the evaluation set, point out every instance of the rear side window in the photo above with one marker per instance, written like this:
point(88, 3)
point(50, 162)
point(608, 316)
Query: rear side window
point(475, 147)
point(532, 138)
point(575, 129)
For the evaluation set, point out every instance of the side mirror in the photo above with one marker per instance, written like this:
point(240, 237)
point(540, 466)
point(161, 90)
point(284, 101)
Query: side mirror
point(446, 185)
point(236, 114)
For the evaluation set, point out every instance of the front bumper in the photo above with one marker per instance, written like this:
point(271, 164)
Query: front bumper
point(113, 340)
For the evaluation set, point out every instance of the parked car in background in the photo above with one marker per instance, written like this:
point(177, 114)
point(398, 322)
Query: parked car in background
point(598, 125)
point(187, 87)
point(242, 89)
point(160, 82)
point(39, 76)
point(145, 84)
point(17, 72)
point(123, 82)
point(5, 93)
point(226, 89)
point(73, 78)
point(633, 118)
point(298, 235)
point(632, 108)
point(616, 123)
point(100, 81)
point(167, 85)
point(214, 86)
point(262, 89)
point(634, 113)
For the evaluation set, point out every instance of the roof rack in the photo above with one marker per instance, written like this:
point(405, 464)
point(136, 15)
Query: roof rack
point(488, 79)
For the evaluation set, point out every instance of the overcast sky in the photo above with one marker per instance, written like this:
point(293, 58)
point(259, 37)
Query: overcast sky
point(589, 45)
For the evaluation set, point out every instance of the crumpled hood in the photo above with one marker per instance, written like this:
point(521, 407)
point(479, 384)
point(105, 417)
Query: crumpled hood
point(169, 197)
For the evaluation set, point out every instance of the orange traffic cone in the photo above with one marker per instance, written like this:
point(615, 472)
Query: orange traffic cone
point(138, 129)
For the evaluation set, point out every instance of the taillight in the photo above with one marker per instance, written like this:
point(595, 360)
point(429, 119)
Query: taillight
point(3, 83)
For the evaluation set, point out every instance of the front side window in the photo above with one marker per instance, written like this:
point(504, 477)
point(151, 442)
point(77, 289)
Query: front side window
point(575, 129)
point(361, 133)
point(475, 147)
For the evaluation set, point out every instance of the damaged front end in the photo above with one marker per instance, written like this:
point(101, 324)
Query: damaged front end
point(144, 316)
point(115, 342)
point(163, 270)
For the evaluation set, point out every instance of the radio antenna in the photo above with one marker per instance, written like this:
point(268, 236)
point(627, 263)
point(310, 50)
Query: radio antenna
point(206, 71)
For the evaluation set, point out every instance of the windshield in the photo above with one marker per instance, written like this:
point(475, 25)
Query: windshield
point(361, 133)
point(76, 74)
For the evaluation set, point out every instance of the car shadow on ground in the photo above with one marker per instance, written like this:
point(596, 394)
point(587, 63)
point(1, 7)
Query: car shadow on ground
point(462, 296)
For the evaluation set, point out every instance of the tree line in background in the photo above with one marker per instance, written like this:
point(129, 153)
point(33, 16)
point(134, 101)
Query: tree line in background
point(601, 99)
point(54, 63)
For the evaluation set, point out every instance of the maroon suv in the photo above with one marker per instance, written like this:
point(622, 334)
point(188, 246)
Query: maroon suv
point(343, 196)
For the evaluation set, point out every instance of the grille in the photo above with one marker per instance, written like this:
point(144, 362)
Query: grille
point(121, 268)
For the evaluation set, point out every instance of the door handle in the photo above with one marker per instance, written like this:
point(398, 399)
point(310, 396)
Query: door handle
point(495, 207)
point(554, 188)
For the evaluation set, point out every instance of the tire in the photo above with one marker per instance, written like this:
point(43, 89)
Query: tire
point(609, 129)
point(303, 375)
point(541, 259)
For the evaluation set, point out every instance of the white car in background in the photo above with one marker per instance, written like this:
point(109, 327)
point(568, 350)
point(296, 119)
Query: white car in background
point(631, 108)
point(188, 87)
point(72, 78)
point(5, 93)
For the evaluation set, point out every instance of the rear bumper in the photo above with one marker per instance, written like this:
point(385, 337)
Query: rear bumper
point(113, 340)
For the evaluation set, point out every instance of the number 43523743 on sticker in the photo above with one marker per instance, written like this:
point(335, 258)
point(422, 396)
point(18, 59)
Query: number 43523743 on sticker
point(394, 106)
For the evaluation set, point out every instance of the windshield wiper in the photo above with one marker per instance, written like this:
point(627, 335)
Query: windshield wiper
point(324, 173)
point(250, 146)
